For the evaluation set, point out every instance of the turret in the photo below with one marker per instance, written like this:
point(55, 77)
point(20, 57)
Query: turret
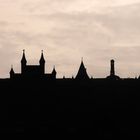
point(42, 63)
point(12, 72)
point(112, 66)
point(23, 62)
point(54, 72)
point(112, 75)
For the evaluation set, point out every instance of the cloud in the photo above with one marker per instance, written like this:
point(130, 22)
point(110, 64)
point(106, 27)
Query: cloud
point(65, 6)
point(68, 30)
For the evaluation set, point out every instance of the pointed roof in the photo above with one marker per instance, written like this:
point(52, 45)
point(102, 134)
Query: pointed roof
point(12, 70)
point(82, 66)
point(82, 73)
point(23, 60)
point(42, 58)
point(54, 71)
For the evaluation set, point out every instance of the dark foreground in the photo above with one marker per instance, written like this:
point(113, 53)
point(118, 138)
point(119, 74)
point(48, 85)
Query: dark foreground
point(97, 108)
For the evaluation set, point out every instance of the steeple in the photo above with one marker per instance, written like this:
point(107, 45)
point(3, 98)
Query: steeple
point(42, 60)
point(23, 63)
point(23, 60)
point(82, 73)
point(42, 63)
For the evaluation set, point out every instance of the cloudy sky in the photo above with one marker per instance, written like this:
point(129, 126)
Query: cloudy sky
point(97, 30)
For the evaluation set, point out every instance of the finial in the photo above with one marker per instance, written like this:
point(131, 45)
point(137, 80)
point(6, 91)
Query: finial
point(41, 51)
point(11, 66)
point(112, 60)
point(23, 50)
point(82, 59)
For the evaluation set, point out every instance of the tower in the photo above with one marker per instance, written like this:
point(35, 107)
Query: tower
point(42, 63)
point(112, 67)
point(112, 75)
point(23, 63)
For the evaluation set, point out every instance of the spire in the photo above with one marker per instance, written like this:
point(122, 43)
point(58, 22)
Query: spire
point(82, 66)
point(54, 71)
point(12, 70)
point(23, 60)
point(42, 60)
point(82, 73)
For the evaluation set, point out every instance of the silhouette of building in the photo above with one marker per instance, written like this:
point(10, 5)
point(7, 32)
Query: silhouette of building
point(38, 71)
point(82, 73)
point(32, 71)
point(112, 71)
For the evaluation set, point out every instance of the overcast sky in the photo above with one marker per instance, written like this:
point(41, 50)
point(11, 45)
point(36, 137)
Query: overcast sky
point(97, 30)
